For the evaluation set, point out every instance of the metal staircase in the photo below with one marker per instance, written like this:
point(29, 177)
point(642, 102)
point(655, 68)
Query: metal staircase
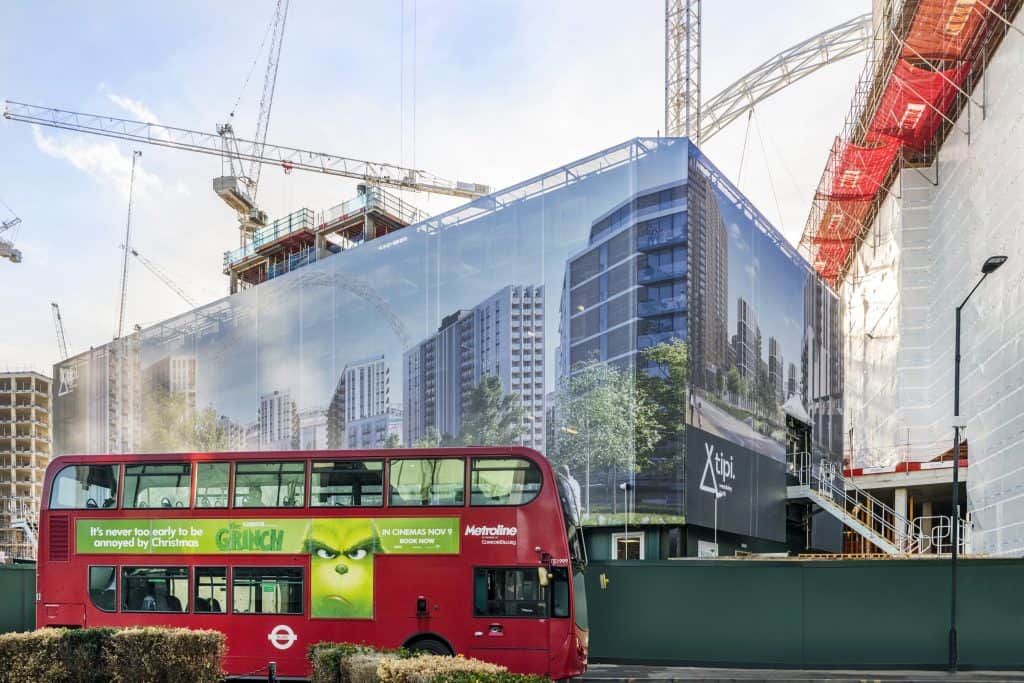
point(821, 482)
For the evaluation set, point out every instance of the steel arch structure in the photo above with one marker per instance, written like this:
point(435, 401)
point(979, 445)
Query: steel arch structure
point(789, 66)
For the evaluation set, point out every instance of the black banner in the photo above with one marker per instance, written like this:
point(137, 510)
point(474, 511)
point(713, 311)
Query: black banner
point(750, 489)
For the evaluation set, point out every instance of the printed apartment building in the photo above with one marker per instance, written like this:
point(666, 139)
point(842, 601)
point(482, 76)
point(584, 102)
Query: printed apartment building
point(277, 422)
point(627, 290)
point(708, 300)
point(100, 394)
point(502, 336)
point(24, 454)
point(175, 375)
point(822, 361)
point(360, 414)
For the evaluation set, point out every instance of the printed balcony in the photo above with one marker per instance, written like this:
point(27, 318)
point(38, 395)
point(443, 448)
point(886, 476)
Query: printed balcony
point(648, 309)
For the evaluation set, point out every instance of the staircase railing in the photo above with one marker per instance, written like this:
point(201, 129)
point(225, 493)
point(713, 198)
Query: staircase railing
point(933, 534)
point(825, 477)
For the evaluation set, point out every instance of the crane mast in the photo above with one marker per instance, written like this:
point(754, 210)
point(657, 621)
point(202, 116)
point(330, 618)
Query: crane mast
point(238, 189)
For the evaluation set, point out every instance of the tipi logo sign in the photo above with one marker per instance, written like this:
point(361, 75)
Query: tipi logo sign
point(719, 471)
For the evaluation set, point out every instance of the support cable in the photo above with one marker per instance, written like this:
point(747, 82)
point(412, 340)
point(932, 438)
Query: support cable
point(771, 181)
point(743, 153)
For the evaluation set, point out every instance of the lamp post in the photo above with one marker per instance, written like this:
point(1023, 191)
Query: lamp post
point(991, 264)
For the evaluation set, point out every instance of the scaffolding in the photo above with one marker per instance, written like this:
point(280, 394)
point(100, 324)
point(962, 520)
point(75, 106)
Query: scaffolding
point(929, 55)
point(24, 454)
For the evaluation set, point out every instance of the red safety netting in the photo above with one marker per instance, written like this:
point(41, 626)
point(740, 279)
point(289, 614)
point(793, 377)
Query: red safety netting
point(858, 172)
point(910, 113)
point(943, 29)
point(853, 176)
point(841, 223)
point(909, 110)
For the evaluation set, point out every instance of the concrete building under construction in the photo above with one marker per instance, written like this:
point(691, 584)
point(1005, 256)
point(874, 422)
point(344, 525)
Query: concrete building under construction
point(24, 454)
point(302, 237)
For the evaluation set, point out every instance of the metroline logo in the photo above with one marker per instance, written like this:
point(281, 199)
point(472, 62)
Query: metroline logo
point(493, 535)
point(500, 530)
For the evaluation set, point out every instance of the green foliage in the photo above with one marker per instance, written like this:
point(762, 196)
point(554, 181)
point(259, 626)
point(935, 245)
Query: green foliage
point(503, 677)
point(666, 388)
point(171, 425)
point(341, 662)
point(601, 416)
point(104, 655)
point(491, 417)
point(393, 441)
point(165, 655)
point(733, 381)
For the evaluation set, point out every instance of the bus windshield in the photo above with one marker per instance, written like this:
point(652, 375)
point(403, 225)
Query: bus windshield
point(569, 498)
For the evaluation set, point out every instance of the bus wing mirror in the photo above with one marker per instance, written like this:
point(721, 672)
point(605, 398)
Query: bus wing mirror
point(543, 576)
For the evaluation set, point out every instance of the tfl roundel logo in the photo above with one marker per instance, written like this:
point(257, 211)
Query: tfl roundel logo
point(282, 637)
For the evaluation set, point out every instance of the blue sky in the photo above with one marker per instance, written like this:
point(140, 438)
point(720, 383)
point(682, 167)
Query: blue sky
point(503, 91)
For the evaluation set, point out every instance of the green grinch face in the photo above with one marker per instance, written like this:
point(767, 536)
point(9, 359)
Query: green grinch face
point(342, 568)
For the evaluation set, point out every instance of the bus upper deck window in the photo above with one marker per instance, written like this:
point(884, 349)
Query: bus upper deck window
point(157, 485)
point(81, 487)
point(503, 481)
point(212, 484)
point(270, 484)
point(348, 483)
point(427, 481)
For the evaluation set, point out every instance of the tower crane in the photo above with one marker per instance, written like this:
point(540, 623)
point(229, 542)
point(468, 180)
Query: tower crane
point(288, 158)
point(7, 249)
point(58, 324)
point(238, 190)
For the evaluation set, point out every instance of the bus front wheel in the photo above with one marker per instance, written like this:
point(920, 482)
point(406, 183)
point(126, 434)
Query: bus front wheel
point(430, 646)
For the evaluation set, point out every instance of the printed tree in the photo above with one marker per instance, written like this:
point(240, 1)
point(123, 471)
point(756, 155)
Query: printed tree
point(600, 418)
point(170, 424)
point(490, 417)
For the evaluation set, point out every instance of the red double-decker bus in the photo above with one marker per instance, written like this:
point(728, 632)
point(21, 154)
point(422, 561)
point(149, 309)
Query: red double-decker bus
point(475, 551)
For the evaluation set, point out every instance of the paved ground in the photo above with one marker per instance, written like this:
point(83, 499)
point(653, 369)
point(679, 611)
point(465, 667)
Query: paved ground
point(617, 672)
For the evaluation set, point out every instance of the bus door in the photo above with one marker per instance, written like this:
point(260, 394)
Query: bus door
point(511, 617)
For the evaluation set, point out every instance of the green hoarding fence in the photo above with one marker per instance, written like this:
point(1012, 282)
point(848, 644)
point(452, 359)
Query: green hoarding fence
point(806, 613)
point(18, 591)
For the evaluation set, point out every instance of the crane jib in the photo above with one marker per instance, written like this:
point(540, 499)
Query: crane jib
point(289, 158)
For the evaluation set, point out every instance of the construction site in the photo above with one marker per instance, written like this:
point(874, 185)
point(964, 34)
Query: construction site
point(616, 254)
point(713, 390)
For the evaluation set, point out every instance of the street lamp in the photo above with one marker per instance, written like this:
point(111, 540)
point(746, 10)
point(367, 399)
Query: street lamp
point(990, 266)
point(626, 488)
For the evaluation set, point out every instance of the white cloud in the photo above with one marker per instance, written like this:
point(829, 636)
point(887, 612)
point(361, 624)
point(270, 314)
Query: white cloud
point(737, 236)
point(139, 110)
point(753, 268)
point(103, 161)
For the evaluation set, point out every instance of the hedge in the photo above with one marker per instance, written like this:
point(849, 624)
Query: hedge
point(354, 663)
point(104, 655)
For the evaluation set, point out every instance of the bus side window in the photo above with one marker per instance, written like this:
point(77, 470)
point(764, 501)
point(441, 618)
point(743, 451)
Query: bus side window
point(152, 485)
point(211, 586)
point(85, 487)
point(212, 484)
point(267, 590)
point(103, 587)
point(154, 589)
point(427, 482)
point(348, 483)
point(501, 592)
point(270, 484)
point(503, 481)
